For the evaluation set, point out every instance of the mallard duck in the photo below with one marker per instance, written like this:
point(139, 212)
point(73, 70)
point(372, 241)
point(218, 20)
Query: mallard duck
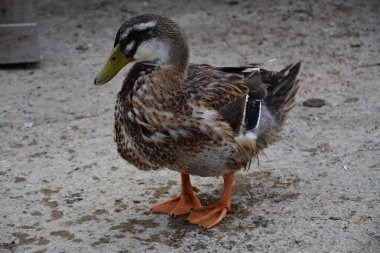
point(194, 119)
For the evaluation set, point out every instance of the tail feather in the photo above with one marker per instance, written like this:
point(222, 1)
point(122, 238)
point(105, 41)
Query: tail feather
point(282, 89)
point(271, 97)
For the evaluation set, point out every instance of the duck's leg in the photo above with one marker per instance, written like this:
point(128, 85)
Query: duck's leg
point(182, 204)
point(208, 216)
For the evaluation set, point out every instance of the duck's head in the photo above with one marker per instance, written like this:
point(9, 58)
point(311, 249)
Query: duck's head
point(149, 38)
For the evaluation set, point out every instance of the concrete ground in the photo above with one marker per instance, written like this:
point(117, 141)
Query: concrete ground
point(65, 189)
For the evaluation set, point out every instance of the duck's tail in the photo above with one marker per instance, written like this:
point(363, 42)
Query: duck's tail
point(271, 97)
point(282, 88)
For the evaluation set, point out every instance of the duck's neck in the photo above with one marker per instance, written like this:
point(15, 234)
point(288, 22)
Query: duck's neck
point(179, 56)
point(169, 50)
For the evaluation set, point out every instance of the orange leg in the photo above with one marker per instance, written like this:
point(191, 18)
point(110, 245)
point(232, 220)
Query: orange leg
point(182, 204)
point(209, 216)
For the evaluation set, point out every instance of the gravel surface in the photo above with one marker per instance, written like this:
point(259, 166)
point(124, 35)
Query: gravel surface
point(65, 189)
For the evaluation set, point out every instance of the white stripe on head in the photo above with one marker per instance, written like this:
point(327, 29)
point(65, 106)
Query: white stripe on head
point(144, 26)
point(139, 27)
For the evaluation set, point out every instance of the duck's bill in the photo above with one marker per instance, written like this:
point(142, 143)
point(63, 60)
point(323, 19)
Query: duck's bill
point(115, 62)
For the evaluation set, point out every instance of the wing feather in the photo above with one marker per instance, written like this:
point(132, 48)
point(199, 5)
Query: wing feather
point(213, 87)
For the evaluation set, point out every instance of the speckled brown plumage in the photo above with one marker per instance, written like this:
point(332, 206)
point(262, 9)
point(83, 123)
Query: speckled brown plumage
point(160, 125)
point(194, 119)
point(159, 117)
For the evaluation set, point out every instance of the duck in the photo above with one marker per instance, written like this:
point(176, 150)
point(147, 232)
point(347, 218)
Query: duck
point(195, 119)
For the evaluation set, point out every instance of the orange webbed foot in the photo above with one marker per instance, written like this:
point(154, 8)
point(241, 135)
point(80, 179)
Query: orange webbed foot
point(208, 216)
point(183, 204)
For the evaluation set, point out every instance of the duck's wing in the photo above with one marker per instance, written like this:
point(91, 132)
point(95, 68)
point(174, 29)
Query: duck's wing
point(221, 91)
point(213, 87)
point(229, 90)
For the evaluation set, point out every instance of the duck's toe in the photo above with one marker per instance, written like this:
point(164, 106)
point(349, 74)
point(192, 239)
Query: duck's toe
point(183, 204)
point(208, 216)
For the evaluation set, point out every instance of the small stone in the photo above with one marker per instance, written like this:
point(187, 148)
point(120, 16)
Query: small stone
point(314, 102)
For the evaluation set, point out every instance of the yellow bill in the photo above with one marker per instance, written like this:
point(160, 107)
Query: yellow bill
point(115, 62)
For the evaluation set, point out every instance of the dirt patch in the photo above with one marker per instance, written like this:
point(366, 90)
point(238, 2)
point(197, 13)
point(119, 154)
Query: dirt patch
point(24, 238)
point(64, 234)
point(135, 226)
point(161, 191)
point(120, 205)
point(100, 212)
point(102, 240)
point(56, 214)
point(20, 179)
point(86, 218)
point(8, 246)
point(38, 154)
point(49, 192)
